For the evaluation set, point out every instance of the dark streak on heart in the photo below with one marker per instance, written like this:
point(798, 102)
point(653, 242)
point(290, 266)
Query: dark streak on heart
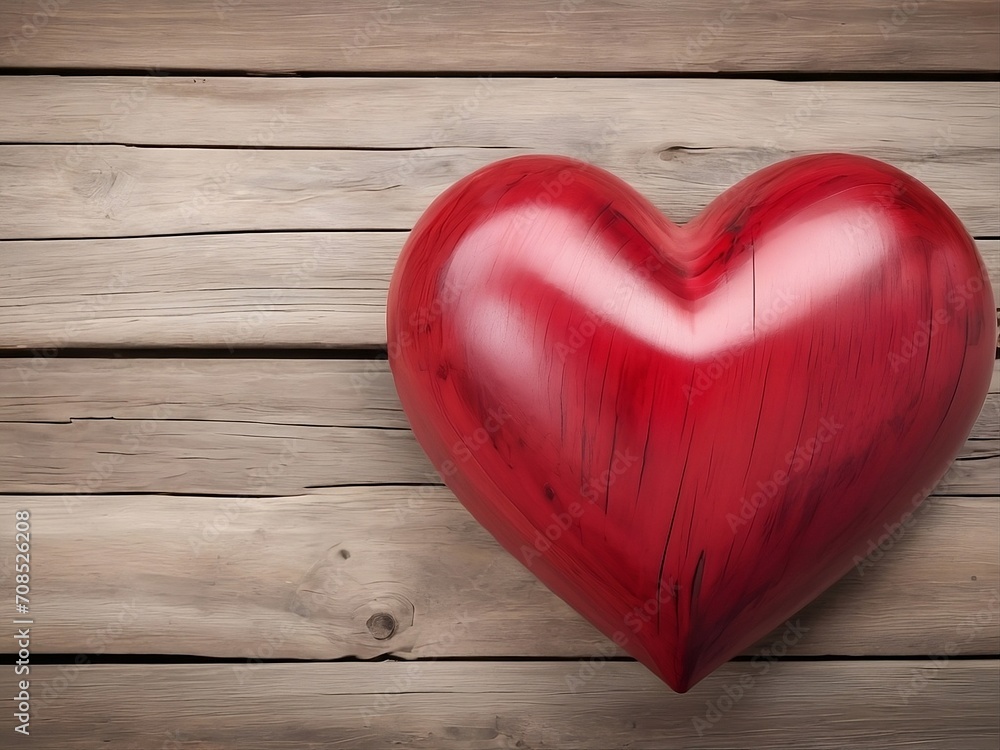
point(677, 270)
point(736, 224)
point(756, 427)
point(673, 518)
point(645, 447)
point(695, 632)
point(614, 440)
point(600, 402)
point(611, 462)
point(696, 582)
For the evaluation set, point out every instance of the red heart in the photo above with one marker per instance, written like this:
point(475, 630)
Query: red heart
point(688, 432)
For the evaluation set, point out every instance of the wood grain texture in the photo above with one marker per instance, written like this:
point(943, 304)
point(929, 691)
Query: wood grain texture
point(207, 457)
point(305, 289)
point(386, 35)
point(915, 705)
point(632, 117)
point(258, 577)
point(257, 427)
point(680, 156)
point(300, 577)
point(116, 191)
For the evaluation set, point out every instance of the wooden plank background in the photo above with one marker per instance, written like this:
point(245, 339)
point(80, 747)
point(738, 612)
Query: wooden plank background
point(445, 705)
point(303, 574)
point(249, 427)
point(516, 35)
point(195, 249)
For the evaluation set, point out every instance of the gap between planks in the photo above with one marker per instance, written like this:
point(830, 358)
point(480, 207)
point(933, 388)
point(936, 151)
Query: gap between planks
point(111, 191)
point(260, 427)
point(679, 156)
point(232, 291)
point(300, 577)
point(467, 706)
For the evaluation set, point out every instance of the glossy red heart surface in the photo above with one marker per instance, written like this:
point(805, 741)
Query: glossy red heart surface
point(689, 432)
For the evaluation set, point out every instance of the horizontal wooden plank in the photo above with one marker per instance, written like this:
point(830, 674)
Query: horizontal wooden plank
point(309, 289)
point(518, 35)
point(116, 191)
point(246, 426)
point(631, 118)
point(916, 705)
point(303, 575)
point(942, 133)
point(306, 289)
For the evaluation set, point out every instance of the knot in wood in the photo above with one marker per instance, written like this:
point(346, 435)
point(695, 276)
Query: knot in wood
point(381, 625)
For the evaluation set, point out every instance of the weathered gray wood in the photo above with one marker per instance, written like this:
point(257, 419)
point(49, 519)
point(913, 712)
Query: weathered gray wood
point(306, 289)
point(204, 457)
point(631, 117)
point(570, 35)
point(258, 427)
point(911, 705)
point(117, 191)
point(300, 577)
point(320, 392)
point(300, 574)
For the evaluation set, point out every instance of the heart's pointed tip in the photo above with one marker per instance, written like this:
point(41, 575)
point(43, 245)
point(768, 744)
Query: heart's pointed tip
point(681, 683)
point(681, 677)
point(679, 687)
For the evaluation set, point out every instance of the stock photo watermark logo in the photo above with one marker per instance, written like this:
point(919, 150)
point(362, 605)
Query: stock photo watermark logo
point(455, 115)
point(968, 629)
point(461, 450)
point(634, 620)
point(621, 461)
point(259, 480)
point(642, 614)
point(98, 644)
point(87, 311)
point(102, 469)
point(553, 188)
point(563, 521)
point(816, 99)
point(249, 149)
point(734, 692)
point(582, 333)
point(796, 460)
point(901, 15)
point(565, 9)
point(957, 299)
point(708, 34)
point(266, 649)
point(464, 448)
point(869, 219)
point(377, 21)
point(420, 320)
point(705, 376)
point(123, 106)
point(251, 326)
point(818, 96)
point(893, 533)
point(33, 26)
